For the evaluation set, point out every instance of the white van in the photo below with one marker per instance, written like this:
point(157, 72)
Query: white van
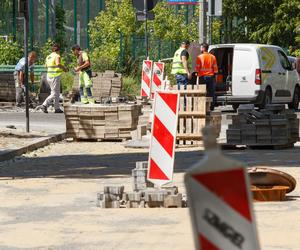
point(255, 73)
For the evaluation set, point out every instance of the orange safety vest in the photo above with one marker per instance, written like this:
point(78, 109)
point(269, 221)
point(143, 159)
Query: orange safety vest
point(206, 64)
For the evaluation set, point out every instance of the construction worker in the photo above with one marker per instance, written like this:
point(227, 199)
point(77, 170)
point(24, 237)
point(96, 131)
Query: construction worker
point(19, 74)
point(180, 65)
point(85, 75)
point(206, 67)
point(54, 72)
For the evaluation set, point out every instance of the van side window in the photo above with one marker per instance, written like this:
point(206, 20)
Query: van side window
point(285, 63)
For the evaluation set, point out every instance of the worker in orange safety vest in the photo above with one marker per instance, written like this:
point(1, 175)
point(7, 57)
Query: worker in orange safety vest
point(207, 68)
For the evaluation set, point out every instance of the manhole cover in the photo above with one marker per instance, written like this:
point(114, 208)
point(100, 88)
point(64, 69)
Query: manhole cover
point(261, 176)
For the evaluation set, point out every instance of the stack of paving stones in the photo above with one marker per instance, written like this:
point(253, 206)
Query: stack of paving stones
point(272, 126)
point(98, 121)
point(111, 197)
point(107, 84)
point(7, 87)
point(139, 176)
point(144, 193)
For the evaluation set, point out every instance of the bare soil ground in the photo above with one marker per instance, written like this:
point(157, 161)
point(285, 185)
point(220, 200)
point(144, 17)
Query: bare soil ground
point(48, 200)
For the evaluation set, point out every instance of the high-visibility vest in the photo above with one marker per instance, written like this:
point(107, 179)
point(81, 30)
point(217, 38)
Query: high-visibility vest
point(177, 66)
point(52, 69)
point(206, 64)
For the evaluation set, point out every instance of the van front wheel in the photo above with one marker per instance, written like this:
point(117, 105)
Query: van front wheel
point(295, 102)
point(267, 98)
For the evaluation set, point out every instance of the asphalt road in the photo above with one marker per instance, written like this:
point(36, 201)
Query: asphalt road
point(50, 123)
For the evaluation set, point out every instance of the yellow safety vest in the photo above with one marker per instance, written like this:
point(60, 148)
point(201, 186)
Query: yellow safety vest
point(52, 69)
point(177, 65)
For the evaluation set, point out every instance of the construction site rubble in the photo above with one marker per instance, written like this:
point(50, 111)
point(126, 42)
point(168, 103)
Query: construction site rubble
point(272, 126)
point(144, 194)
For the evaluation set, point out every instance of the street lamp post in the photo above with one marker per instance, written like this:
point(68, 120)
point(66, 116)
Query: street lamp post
point(26, 28)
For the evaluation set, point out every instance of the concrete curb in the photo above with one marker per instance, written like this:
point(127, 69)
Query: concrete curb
point(36, 144)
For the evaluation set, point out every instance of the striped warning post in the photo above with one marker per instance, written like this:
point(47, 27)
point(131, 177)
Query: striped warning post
point(157, 77)
point(162, 146)
point(222, 211)
point(146, 78)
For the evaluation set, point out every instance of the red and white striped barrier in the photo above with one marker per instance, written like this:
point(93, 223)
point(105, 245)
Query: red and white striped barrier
point(162, 146)
point(157, 77)
point(146, 78)
point(221, 206)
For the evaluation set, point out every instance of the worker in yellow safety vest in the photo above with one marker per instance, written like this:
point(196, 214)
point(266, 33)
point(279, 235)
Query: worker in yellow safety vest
point(54, 72)
point(85, 75)
point(180, 65)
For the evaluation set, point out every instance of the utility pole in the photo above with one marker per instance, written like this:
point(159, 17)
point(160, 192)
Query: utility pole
point(23, 10)
point(202, 21)
point(146, 29)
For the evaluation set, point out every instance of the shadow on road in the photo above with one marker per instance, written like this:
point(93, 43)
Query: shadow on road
point(120, 165)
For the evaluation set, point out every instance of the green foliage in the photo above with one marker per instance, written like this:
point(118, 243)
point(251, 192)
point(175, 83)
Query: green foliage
point(131, 86)
point(262, 21)
point(171, 27)
point(60, 20)
point(216, 34)
point(105, 32)
point(283, 28)
point(67, 80)
point(114, 35)
point(10, 52)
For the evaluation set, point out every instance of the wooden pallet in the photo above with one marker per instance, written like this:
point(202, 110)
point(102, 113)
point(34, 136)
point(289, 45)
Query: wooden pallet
point(193, 106)
point(7, 104)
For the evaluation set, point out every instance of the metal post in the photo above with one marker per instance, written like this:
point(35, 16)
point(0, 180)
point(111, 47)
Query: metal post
point(202, 21)
point(26, 28)
point(87, 23)
point(14, 24)
point(75, 22)
point(121, 51)
point(186, 14)
point(31, 30)
point(62, 3)
point(210, 29)
point(101, 5)
point(47, 21)
point(146, 29)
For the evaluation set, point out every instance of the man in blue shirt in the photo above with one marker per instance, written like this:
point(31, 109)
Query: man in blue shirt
point(19, 75)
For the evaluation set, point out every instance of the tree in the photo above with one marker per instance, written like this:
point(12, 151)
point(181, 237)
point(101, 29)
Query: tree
point(118, 22)
point(283, 28)
point(60, 21)
point(10, 52)
point(262, 21)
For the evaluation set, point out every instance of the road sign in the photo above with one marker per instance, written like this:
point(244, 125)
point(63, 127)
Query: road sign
point(220, 202)
point(146, 78)
point(157, 77)
point(140, 16)
point(139, 4)
point(163, 136)
point(183, 2)
point(215, 7)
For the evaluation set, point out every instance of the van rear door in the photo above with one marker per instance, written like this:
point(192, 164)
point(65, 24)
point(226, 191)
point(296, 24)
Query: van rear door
point(245, 63)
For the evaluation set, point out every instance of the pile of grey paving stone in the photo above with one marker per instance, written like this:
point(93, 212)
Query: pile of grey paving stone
point(144, 194)
point(272, 126)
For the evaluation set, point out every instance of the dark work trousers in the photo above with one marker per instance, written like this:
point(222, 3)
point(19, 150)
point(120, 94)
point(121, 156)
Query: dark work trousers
point(182, 80)
point(210, 89)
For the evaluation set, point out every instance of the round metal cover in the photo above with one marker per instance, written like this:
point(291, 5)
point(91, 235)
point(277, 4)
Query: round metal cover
point(261, 176)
